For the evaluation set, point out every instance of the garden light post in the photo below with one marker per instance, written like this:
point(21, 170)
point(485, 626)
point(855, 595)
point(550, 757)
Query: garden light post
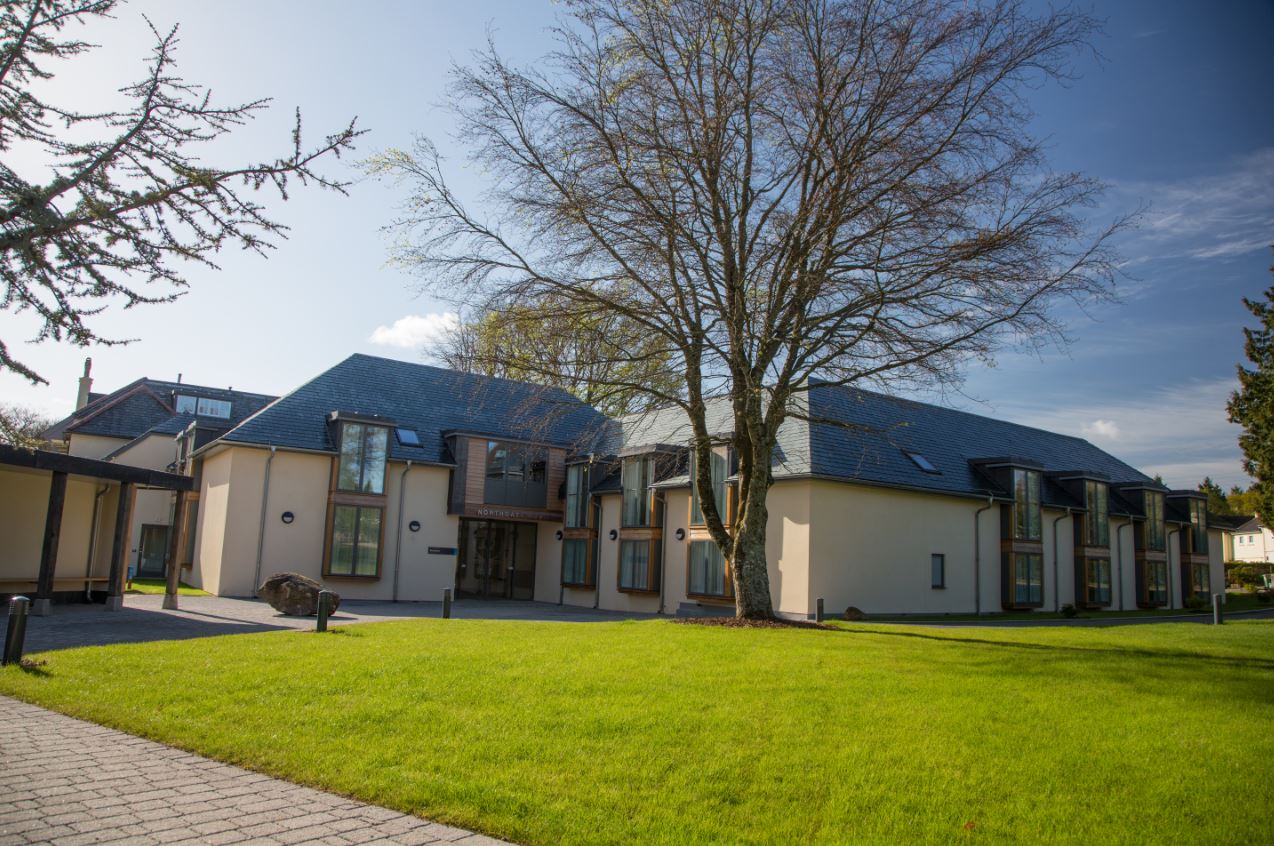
point(324, 610)
point(17, 630)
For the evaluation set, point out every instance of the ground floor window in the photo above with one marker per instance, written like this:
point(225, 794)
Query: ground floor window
point(937, 571)
point(575, 562)
point(707, 570)
point(1200, 581)
point(1097, 581)
point(1028, 578)
point(355, 540)
point(1155, 578)
point(638, 565)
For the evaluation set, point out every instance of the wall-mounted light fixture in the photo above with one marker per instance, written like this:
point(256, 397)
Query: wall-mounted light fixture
point(288, 517)
point(558, 534)
point(613, 534)
point(414, 525)
point(680, 534)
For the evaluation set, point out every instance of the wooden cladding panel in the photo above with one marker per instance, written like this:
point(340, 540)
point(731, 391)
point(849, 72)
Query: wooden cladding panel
point(468, 484)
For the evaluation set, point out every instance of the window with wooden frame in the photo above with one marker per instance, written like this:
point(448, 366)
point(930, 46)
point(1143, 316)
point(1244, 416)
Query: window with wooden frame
point(639, 566)
point(1154, 582)
point(576, 562)
point(637, 475)
point(707, 571)
point(1199, 584)
point(1197, 534)
point(1028, 579)
point(361, 465)
point(579, 530)
point(189, 522)
point(719, 465)
point(1155, 534)
point(357, 532)
point(577, 497)
point(1097, 581)
point(1097, 516)
point(1027, 518)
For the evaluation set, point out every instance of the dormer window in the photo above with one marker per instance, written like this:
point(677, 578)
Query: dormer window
point(720, 468)
point(364, 449)
point(637, 476)
point(1027, 518)
point(1155, 536)
point(1097, 518)
point(1198, 509)
point(203, 406)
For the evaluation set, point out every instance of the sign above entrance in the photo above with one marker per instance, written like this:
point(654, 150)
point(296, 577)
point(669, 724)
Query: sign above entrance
point(499, 512)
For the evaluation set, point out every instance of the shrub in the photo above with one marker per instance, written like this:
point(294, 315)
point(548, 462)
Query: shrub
point(1196, 602)
point(1069, 610)
point(1263, 595)
point(1245, 573)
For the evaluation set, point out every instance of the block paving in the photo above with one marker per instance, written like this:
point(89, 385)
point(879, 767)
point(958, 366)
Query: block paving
point(66, 782)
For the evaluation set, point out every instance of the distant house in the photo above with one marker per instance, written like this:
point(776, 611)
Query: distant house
point(392, 480)
point(1252, 541)
point(146, 424)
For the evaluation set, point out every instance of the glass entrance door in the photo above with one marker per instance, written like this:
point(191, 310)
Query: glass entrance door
point(497, 560)
point(154, 549)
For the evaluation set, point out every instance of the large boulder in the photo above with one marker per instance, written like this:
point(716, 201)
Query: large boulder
point(293, 594)
point(853, 614)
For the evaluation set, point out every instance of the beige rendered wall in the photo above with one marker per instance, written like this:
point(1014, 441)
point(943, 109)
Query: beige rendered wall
point(93, 446)
point(610, 595)
point(24, 501)
point(422, 575)
point(210, 528)
point(155, 452)
point(548, 563)
point(1216, 561)
point(871, 548)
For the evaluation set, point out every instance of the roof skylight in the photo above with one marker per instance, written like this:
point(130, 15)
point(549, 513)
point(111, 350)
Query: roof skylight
point(922, 462)
point(408, 437)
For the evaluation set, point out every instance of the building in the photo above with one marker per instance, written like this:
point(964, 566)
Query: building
point(391, 480)
point(142, 425)
point(1252, 541)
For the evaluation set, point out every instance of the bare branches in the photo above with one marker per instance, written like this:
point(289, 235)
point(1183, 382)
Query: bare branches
point(780, 191)
point(119, 214)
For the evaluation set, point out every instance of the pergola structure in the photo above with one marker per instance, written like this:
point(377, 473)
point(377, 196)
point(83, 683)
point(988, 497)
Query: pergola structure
point(60, 468)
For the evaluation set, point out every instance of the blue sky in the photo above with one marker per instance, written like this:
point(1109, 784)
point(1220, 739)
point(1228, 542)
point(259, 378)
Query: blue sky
point(1175, 116)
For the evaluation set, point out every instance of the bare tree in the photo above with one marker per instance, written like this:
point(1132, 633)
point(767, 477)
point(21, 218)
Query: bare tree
point(600, 358)
point(23, 427)
point(122, 198)
point(773, 190)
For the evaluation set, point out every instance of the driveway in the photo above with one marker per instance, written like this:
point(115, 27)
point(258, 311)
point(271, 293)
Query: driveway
point(144, 619)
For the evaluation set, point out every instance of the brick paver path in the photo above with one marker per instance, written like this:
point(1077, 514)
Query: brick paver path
point(67, 782)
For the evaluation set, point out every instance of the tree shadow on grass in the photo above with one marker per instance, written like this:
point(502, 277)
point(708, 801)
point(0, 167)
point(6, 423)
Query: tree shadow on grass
point(1233, 662)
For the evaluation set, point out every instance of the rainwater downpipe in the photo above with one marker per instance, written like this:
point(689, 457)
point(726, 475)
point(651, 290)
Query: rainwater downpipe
point(1119, 559)
point(265, 501)
point(1057, 596)
point(1169, 548)
point(662, 498)
point(398, 548)
point(92, 544)
point(977, 554)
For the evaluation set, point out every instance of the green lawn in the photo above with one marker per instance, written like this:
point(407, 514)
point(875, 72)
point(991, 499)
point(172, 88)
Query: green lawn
point(1235, 602)
point(156, 586)
point(654, 732)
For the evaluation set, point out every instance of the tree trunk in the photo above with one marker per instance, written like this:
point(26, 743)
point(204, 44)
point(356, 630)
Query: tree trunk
point(750, 570)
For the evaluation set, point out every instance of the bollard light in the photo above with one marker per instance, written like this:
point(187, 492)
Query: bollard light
point(1216, 609)
point(446, 604)
point(324, 610)
point(17, 630)
point(818, 613)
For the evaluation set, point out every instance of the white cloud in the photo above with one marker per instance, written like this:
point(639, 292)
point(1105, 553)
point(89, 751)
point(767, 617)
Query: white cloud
point(1107, 430)
point(416, 330)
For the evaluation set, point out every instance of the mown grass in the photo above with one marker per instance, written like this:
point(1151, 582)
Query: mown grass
point(1236, 602)
point(654, 732)
point(159, 586)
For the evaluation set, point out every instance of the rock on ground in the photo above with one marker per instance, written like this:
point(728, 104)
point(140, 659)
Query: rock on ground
point(294, 594)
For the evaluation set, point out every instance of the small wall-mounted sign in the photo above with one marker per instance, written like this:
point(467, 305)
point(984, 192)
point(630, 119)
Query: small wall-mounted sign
point(443, 550)
point(414, 525)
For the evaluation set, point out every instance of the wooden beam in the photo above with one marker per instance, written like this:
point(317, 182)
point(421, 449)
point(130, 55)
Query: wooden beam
point(174, 563)
point(49, 552)
point(119, 548)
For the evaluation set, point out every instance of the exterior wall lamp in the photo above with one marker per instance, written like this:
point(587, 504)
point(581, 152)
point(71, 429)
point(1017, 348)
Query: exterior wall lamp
point(680, 534)
point(613, 534)
point(288, 517)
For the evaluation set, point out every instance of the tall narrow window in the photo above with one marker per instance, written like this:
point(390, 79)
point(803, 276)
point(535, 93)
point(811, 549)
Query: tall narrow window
point(1156, 578)
point(707, 570)
point(1198, 526)
point(937, 571)
point(362, 462)
point(1155, 538)
point(355, 541)
point(634, 565)
point(1097, 519)
point(1097, 581)
point(638, 473)
point(1027, 519)
point(1028, 579)
point(577, 496)
point(575, 562)
point(717, 463)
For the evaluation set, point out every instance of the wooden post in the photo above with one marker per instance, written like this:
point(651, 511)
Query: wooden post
point(173, 572)
point(119, 548)
point(49, 552)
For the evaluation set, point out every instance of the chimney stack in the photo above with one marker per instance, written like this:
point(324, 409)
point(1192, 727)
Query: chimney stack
point(86, 385)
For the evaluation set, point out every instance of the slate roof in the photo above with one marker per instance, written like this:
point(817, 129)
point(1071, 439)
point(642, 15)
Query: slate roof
point(430, 400)
point(1236, 523)
point(147, 405)
point(862, 436)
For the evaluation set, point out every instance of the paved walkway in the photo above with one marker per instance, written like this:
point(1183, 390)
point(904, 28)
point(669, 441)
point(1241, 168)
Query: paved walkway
point(144, 619)
point(67, 782)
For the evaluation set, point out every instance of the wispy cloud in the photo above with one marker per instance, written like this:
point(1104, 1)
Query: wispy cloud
point(1222, 215)
point(1180, 432)
point(415, 330)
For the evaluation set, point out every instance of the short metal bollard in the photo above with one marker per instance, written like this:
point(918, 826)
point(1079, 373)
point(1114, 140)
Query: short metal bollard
point(17, 630)
point(1216, 609)
point(446, 604)
point(818, 613)
point(324, 609)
